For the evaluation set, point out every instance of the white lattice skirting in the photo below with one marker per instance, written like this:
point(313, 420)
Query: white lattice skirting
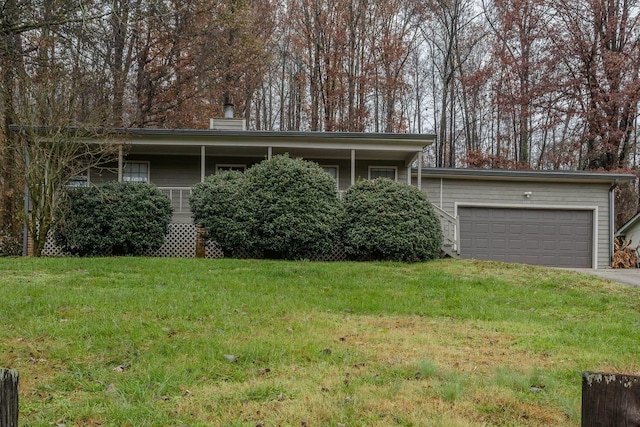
point(180, 242)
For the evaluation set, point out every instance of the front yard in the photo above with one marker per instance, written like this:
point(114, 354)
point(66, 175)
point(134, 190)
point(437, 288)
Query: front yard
point(174, 342)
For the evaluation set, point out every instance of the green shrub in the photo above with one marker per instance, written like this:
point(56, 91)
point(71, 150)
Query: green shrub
point(217, 206)
point(293, 206)
point(10, 245)
point(118, 218)
point(282, 208)
point(386, 220)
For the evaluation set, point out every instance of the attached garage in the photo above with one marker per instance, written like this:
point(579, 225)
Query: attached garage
point(551, 237)
point(559, 219)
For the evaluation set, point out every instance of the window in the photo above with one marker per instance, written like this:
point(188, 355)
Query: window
point(79, 181)
point(239, 168)
point(331, 170)
point(136, 172)
point(383, 172)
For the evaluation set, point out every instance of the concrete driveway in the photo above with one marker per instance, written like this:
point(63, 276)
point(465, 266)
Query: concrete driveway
point(625, 276)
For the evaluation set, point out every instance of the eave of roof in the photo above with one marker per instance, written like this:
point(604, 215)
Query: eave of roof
point(627, 225)
point(209, 133)
point(288, 139)
point(344, 140)
point(527, 175)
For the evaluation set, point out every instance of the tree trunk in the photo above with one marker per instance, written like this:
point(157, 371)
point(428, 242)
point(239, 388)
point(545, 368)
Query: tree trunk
point(10, 176)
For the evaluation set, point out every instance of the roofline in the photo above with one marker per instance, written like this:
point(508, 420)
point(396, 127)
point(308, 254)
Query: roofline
point(209, 133)
point(628, 225)
point(274, 134)
point(526, 175)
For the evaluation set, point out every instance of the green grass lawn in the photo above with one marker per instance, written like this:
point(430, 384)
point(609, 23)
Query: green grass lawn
point(193, 342)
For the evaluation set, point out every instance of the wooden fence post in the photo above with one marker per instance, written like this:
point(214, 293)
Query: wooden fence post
point(8, 398)
point(610, 400)
point(201, 243)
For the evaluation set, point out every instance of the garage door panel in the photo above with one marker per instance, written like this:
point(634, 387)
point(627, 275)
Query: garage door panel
point(549, 229)
point(530, 244)
point(498, 228)
point(514, 215)
point(565, 245)
point(482, 243)
point(481, 227)
point(514, 228)
point(552, 237)
point(582, 231)
point(531, 228)
point(567, 230)
point(499, 244)
point(515, 244)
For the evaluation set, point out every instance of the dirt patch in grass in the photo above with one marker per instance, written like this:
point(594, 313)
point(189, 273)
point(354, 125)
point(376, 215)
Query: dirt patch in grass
point(377, 378)
point(460, 345)
point(30, 358)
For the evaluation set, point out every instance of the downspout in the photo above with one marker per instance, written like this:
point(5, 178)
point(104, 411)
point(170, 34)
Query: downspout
point(611, 220)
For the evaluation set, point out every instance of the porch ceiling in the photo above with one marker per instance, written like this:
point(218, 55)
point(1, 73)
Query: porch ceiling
point(253, 151)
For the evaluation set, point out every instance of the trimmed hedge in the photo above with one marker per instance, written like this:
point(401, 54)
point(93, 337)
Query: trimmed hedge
point(386, 220)
point(288, 208)
point(282, 208)
point(293, 206)
point(118, 218)
point(217, 206)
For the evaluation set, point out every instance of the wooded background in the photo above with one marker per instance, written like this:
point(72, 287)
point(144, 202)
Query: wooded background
point(540, 84)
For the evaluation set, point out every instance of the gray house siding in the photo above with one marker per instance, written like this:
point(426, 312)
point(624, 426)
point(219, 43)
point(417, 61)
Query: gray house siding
point(176, 174)
point(176, 158)
point(184, 171)
point(448, 194)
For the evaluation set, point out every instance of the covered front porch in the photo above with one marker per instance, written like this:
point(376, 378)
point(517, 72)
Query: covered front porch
point(175, 160)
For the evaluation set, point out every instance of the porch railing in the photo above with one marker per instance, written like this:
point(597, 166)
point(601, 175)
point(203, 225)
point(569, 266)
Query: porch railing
point(179, 197)
point(449, 224)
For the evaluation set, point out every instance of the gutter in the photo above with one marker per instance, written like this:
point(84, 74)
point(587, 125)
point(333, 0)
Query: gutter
point(611, 220)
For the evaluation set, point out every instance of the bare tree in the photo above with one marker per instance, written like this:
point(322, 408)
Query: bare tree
point(447, 37)
point(601, 48)
point(52, 158)
point(35, 41)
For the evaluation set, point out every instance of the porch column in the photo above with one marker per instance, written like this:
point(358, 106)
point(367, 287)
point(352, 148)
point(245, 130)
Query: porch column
point(409, 175)
point(203, 162)
point(120, 163)
point(25, 226)
point(420, 170)
point(269, 152)
point(353, 167)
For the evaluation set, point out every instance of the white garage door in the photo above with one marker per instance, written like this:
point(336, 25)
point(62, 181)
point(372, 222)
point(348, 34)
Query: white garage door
point(551, 237)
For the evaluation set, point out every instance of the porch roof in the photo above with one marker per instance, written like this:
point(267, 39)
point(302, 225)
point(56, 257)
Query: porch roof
point(243, 143)
point(318, 145)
